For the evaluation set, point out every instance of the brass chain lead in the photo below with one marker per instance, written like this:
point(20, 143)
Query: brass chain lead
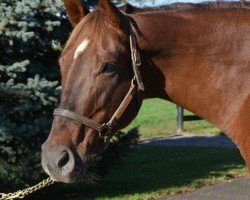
point(20, 194)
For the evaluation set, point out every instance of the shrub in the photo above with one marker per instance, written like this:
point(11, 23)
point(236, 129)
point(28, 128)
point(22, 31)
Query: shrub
point(31, 36)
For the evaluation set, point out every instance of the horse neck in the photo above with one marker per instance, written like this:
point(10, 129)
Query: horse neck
point(185, 56)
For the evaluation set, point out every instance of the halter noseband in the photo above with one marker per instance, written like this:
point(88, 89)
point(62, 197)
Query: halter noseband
point(136, 86)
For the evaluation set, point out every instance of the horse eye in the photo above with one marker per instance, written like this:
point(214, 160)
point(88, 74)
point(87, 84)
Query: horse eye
point(108, 68)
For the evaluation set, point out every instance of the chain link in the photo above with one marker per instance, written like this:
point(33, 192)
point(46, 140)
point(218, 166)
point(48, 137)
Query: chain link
point(20, 194)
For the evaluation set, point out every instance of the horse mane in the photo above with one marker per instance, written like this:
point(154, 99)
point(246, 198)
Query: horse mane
point(226, 5)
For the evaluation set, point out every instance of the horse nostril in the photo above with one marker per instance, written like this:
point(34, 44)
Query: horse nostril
point(64, 159)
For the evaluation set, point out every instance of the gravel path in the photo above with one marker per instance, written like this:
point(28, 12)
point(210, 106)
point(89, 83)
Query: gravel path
point(237, 189)
point(203, 140)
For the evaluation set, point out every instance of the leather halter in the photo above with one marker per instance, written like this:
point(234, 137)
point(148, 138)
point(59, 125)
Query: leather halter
point(136, 86)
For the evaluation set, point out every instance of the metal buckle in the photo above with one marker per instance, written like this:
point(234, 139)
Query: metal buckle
point(105, 132)
point(136, 57)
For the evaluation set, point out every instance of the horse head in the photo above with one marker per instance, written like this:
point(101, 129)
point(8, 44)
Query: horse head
point(100, 92)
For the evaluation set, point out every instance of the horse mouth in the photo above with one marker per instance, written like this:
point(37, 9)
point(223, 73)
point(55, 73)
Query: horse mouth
point(83, 174)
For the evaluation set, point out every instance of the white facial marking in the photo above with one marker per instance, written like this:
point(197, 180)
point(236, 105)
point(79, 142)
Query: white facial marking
point(81, 48)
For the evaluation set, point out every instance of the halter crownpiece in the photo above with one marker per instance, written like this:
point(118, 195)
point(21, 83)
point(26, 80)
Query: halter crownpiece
point(136, 86)
point(135, 57)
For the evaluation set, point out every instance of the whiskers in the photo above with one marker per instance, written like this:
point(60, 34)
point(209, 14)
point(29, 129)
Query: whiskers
point(90, 177)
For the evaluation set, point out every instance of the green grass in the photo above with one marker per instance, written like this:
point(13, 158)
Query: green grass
point(150, 172)
point(157, 118)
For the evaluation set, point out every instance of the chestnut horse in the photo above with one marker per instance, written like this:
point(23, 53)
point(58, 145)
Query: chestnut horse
point(195, 55)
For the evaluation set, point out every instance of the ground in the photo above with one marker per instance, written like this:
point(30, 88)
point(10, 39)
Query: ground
point(232, 190)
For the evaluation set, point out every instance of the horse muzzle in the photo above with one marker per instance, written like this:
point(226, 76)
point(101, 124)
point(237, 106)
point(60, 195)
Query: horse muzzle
point(62, 164)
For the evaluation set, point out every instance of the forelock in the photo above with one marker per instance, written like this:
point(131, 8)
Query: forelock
point(91, 27)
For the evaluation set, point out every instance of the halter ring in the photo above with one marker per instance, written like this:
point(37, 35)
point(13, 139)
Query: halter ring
point(105, 132)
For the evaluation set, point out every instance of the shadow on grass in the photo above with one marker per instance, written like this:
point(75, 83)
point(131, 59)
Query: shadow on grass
point(153, 168)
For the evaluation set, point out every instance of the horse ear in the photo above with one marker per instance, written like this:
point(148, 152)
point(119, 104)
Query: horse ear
point(110, 10)
point(76, 10)
point(128, 8)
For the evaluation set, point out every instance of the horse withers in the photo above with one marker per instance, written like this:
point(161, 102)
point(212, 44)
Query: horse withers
point(195, 55)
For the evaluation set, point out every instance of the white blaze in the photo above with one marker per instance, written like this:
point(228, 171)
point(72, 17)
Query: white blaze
point(81, 48)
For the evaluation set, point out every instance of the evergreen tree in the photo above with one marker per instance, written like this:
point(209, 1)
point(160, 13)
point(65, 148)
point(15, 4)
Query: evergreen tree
point(31, 35)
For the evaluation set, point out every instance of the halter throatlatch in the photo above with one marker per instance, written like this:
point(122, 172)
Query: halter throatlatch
point(136, 86)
